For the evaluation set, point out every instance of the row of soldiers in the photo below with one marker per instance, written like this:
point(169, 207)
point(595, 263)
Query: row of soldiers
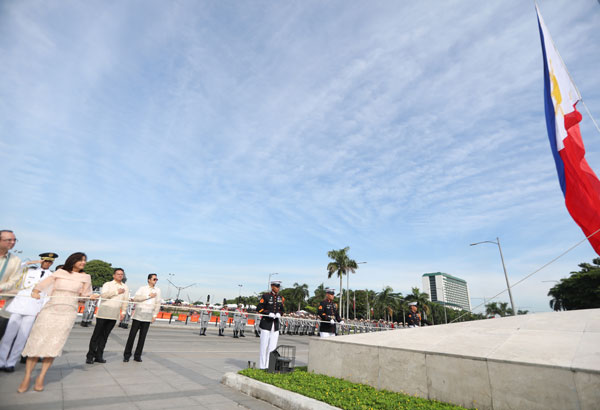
point(296, 324)
point(303, 324)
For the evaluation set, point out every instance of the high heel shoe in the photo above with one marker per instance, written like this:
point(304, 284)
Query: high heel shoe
point(23, 390)
point(36, 388)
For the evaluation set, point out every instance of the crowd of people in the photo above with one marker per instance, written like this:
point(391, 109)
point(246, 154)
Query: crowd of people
point(41, 307)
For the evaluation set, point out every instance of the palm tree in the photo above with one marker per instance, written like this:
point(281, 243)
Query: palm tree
point(341, 265)
point(385, 301)
point(502, 309)
point(300, 293)
point(402, 305)
point(422, 300)
point(320, 292)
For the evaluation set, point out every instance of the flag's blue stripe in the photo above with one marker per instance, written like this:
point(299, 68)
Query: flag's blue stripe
point(550, 117)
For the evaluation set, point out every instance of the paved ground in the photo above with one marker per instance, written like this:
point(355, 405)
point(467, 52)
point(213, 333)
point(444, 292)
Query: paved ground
point(181, 370)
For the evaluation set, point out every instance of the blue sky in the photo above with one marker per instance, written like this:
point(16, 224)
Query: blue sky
point(222, 141)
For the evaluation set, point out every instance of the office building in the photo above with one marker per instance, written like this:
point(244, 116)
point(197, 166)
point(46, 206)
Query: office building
point(447, 289)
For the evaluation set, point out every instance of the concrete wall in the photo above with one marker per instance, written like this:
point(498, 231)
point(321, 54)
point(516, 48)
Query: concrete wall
point(541, 361)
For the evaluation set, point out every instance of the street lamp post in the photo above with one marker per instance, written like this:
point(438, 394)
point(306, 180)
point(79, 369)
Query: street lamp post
point(497, 242)
point(269, 282)
point(484, 302)
point(169, 277)
point(240, 294)
point(348, 293)
point(179, 288)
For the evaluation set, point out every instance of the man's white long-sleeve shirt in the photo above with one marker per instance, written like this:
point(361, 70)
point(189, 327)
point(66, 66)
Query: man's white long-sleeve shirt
point(112, 303)
point(146, 308)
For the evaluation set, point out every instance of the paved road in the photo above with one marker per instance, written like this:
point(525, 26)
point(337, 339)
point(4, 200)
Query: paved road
point(181, 370)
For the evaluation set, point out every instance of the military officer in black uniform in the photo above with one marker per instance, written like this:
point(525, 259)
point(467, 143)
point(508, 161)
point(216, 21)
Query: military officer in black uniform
point(271, 307)
point(328, 314)
point(414, 317)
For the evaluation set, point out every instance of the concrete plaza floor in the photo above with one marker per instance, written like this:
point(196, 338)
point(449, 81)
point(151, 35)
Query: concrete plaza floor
point(180, 370)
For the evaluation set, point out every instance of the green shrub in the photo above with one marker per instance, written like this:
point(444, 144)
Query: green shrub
point(344, 394)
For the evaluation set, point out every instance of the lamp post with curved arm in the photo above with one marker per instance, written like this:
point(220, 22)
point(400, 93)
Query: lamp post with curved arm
point(497, 242)
point(348, 294)
point(269, 283)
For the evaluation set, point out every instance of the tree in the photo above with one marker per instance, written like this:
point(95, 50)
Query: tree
point(579, 291)
point(100, 272)
point(320, 293)
point(385, 302)
point(502, 309)
point(342, 265)
point(299, 294)
point(492, 309)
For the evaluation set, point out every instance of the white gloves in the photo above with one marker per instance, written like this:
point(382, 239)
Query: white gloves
point(278, 315)
point(272, 315)
point(342, 322)
point(332, 321)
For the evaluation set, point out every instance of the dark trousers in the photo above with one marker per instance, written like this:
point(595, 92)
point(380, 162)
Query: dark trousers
point(3, 324)
point(135, 326)
point(99, 337)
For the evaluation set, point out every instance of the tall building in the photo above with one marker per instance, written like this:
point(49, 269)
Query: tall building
point(447, 289)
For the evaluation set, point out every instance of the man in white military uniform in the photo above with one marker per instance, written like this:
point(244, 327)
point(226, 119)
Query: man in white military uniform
point(23, 310)
point(115, 297)
point(146, 309)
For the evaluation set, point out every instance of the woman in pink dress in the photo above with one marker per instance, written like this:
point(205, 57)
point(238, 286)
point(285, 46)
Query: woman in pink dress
point(54, 322)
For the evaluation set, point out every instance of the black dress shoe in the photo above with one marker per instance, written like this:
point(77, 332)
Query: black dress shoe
point(89, 361)
point(99, 360)
point(125, 359)
point(9, 369)
point(137, 359)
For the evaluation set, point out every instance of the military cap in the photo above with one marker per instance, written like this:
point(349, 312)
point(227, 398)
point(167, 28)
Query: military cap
point(48, 256)
point(276, 283)
point(412, 304)
point(330, 291)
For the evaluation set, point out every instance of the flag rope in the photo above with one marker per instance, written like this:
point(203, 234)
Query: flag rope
point(531, 274)
point(590, 114)
point(200, 310)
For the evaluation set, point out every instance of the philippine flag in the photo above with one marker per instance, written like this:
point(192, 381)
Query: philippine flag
point(578, 182)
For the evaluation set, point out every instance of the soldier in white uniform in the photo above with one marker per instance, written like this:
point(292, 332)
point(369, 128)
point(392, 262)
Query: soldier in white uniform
point(24, 310)
point(88, 312)
point(244, 322)
point(223, 318)
point(204, 318)
point(237, 321)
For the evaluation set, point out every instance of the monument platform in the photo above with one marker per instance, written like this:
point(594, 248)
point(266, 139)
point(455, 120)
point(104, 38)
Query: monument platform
point(535, 361)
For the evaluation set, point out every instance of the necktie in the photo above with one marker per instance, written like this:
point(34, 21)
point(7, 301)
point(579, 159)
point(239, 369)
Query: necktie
point(42, 275)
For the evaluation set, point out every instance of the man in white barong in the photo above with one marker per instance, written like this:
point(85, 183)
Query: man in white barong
point(147, 305)
point(114, 298)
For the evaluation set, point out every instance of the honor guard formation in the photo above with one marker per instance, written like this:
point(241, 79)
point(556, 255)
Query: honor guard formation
point(41, 306)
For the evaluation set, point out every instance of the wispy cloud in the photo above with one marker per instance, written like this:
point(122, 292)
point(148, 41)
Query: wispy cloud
point(228, 142)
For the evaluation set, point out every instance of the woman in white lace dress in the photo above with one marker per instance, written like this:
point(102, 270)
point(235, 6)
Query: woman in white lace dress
point(54, 322)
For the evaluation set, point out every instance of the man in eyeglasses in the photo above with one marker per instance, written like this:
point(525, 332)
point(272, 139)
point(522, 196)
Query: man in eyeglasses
point(147, 305)
point(10, 272)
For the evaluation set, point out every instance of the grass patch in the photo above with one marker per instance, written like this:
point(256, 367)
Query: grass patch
point(344, 394)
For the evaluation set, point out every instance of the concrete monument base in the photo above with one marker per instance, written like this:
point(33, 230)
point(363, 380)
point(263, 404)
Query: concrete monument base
point(535, 361)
